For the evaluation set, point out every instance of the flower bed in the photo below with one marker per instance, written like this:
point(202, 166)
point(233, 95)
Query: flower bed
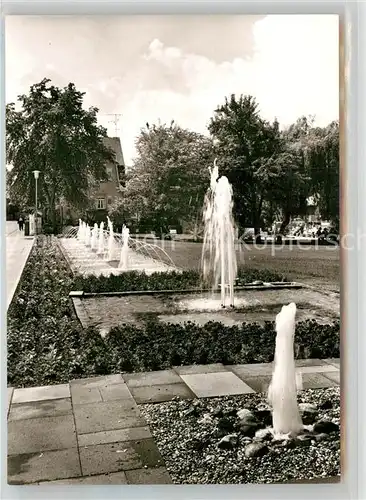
point(47, 345)
point(42, 326)
point(137, 281)
point(207, 441)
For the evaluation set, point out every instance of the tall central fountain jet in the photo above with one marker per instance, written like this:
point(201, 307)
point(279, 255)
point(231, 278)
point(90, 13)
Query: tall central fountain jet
point(218, 254)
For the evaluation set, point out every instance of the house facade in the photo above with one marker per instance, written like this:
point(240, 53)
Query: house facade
point(106, 193)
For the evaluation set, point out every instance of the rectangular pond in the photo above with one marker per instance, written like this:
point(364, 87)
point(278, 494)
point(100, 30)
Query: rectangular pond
point(258, 305)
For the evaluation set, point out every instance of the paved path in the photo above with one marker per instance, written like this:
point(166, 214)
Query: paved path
point(83, 260)
point(18, 248)
point(91, 431)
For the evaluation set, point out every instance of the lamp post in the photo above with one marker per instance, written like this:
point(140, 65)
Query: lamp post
point(36, 175)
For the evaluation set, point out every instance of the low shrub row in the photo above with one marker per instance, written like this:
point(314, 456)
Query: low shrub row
point(173, 280)
point(47, 345)
point(160, 346)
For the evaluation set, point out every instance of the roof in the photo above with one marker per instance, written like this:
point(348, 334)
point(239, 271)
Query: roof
point(114, 143)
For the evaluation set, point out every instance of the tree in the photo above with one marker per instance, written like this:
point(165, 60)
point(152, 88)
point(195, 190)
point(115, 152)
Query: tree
point(246, 143)
point(169, 177)
point(324, 170)
point(54, 134)
point(286, 184)
point(319, 150)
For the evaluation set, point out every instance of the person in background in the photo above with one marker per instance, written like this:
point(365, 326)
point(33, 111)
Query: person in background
point(20, 223)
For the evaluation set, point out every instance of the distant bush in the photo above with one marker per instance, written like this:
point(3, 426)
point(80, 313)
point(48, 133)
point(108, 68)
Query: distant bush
point(172, 280)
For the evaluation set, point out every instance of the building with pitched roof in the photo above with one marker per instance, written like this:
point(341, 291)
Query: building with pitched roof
point(105, 193)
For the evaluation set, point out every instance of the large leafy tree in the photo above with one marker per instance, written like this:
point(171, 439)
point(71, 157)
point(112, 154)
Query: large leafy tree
point(169, 177)
point(318, 149)
point(245, 143)
point(53, 133)
point(324, 169)
point(286, 184)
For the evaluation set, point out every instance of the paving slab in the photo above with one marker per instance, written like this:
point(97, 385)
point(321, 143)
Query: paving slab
point(82, 394)
point(161, 393)
point(317, 369)
point(193, 369)
point(251, 370)
point(102, 479)
point(334, 376)
point(334, 361)
point(106, 416)
point(216, 384)
point(39, 409)
point(148, 476)
point(98, 382)
point(41, 434)
point(115, 457)
point(144, 379)
point(119, 435)
point(41, 393)
point(310, 362)
point(35, 467)
point(115, 392)
point(258, 384)
point(316, 381)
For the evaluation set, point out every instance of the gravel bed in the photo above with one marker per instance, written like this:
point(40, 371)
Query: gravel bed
point(187, 434)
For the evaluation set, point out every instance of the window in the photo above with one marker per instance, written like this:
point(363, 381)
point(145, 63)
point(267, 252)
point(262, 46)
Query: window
point(109, 200)
point(110, 173)
point(100, 203)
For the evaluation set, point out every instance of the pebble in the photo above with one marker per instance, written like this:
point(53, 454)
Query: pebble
point(206, 420)
point(308, 407)
point(245, 414)
point(226, 424)
point(213, 465)
point(264, 434)
point(228, 442)
point(327, 405)
point(325, 426)
point(255, 450)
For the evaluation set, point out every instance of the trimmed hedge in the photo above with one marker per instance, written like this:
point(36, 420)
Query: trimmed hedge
point(160, 346)
point(172, 280)
point(47, 345)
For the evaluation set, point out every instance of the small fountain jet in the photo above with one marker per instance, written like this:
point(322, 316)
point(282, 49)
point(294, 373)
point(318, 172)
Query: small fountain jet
point(282, 393)
point(218, 253)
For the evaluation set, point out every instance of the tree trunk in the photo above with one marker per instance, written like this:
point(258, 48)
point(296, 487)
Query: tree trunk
point(285, 223)
point(52, 207)
point(257, 221)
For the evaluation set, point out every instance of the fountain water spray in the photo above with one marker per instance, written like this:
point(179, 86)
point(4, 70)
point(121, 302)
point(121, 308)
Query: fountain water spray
point(87, 236)
point(100, 250)
point(282, 392)
point(79, 230)
point(82, 232)
point(110, 252)
point(94, 238)
point(123, 262)
point(218, 253)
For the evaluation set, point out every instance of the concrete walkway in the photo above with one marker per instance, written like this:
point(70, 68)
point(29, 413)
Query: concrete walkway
point(18, 248)
point(83, 260)
point(91, 431)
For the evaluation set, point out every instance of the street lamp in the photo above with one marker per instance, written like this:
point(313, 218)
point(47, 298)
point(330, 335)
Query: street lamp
point(36, 175)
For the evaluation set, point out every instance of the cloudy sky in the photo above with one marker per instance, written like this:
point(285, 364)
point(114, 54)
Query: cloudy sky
point(180, 67)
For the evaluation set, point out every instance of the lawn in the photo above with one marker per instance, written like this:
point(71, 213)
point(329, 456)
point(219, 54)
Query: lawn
point(318, 266)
